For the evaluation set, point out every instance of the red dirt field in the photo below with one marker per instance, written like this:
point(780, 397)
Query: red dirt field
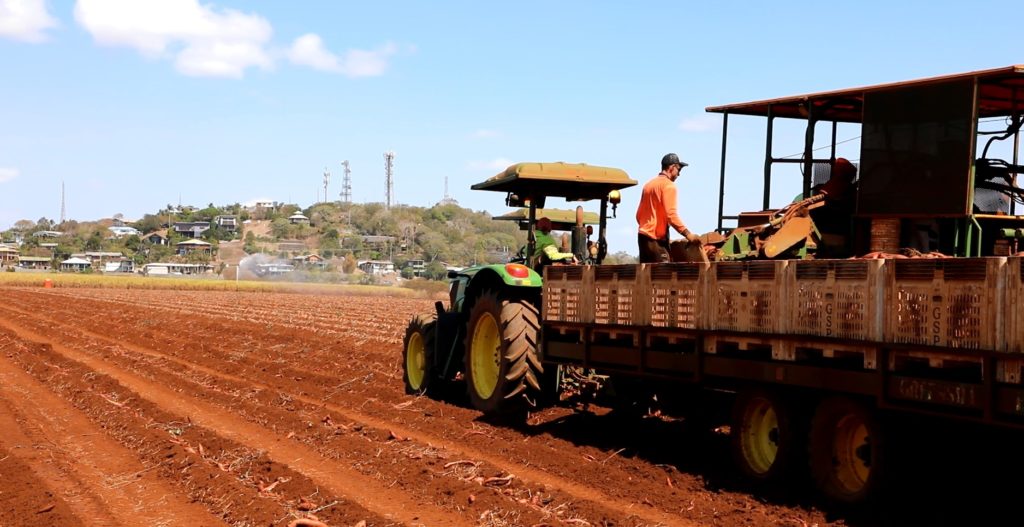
point(167, 408)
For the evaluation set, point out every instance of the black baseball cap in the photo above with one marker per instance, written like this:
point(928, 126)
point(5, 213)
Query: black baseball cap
point(672, 159)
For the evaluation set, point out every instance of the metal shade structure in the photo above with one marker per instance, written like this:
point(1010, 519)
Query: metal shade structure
point(561, 219)
point(571, 181)
point(996, 89)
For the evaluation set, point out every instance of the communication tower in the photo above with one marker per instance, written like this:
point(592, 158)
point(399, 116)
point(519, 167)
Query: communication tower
point(346, 184)
point(63, 210)
point(389, 181)
point(327, 179)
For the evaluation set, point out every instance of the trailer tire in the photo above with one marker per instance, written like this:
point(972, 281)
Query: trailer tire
point(847, 451)
point(503, 368)
point(766, 436)
point(418, 354)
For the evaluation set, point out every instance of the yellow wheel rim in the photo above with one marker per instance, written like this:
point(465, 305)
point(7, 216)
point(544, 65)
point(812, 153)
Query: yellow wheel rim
point(759, 440)
point(485, 361)
point(415, 361)
point(852, 453)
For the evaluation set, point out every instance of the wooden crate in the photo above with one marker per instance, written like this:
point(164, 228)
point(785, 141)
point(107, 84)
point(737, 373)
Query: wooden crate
point(1013, 303)
point(836, 298)
point(618, 294)
point(951, 302)
point(567, 293)
point(747, 296)
point(675, 294)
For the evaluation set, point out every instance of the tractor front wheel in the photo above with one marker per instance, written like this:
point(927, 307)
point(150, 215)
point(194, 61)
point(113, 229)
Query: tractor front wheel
point(502, 366)
point(418, 355)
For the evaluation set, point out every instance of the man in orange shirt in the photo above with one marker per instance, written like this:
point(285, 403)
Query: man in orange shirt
point(657, 210)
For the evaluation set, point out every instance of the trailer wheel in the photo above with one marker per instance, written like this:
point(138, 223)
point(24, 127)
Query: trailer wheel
point(418, 356)
point(765, 440)
point(846, 451)
point(503, 369)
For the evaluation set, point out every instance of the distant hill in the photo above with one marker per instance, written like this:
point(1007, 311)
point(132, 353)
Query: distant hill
point(445, 233)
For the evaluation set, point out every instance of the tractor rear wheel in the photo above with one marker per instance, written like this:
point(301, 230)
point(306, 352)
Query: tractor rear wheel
point(846, 451)
point(502, 366)
point(418, 355)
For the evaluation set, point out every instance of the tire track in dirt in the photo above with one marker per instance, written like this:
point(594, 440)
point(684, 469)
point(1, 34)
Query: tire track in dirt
point(535, 476)
point(82, 458)
point(338, 479)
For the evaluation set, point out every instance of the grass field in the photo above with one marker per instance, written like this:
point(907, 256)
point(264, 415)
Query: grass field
point(208, 284)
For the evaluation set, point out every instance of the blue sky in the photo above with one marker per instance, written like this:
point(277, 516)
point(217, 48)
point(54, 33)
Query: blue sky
point(133, 103)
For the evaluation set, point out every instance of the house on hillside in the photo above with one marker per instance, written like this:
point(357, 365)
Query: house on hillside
point(47, 234)
point(156, 238)
point(165, 269)
point(226, 222)
point(309, 260)
point(193, 246)
point(35, 262)
point(98, 258)
point(122, 266)
point(298, 219)
point(273, 269)
point(75, 264)
point(191, 229)
point(417, 267)
point(376, 267)
point(8, 256)
point(123, 232)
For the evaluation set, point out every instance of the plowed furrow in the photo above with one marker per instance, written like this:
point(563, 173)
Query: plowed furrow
point(239, 439)
point(103, 482)
point(584, 499)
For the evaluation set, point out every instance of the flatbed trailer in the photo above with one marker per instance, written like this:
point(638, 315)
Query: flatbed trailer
point(897, 332)
point(793, 339)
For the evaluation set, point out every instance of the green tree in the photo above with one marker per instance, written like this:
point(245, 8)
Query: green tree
point(349, 265)
point(149, 223)
point(280, 228)
point(436, 271)
point(94, 242)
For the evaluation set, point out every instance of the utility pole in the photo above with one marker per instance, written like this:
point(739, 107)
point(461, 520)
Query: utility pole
point(389, 182)
point(346, 184)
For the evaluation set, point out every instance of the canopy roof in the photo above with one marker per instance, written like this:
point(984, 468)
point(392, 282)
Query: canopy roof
point(563, 219)
point(566, 180)
point(996, 97)
point(76, 261)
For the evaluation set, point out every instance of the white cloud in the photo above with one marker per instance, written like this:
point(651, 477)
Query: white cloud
point(498, 164)
point(7, 174)
point(700, 123)
point(309, 50)
point(204, 41)
point(25, 20)
point(486, 134)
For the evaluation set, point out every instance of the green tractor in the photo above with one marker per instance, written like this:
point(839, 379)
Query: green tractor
point(489, 333)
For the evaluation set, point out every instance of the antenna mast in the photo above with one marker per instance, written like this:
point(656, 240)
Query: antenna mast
point(63, 210)
point(327, 179)
point(346, 184)
point(389, 182)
